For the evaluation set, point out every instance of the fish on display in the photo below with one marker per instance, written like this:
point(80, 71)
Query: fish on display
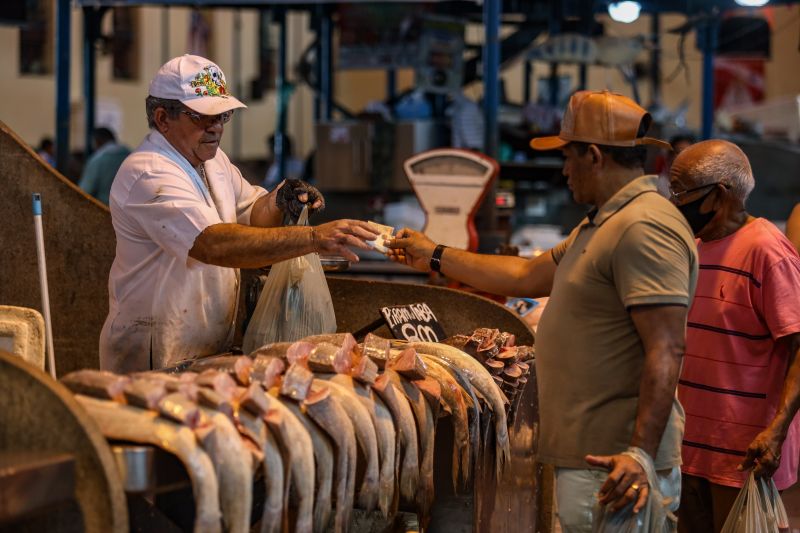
point(122, 422)
point(481, 379)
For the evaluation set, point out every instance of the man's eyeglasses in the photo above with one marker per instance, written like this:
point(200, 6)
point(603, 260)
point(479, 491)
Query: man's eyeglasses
point(206, 121)
point(676, 197)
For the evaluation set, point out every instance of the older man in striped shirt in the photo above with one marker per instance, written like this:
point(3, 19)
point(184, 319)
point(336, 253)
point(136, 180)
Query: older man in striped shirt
point(740, 384)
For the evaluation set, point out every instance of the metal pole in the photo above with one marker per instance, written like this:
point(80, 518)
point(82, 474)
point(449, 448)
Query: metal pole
point(62, 83)
point(709, 39)
point(165, 34)
point(281, 96)
point(91, 27)
point(391, 85)
point(582, 76)
point(655, 58)
point(326, 65)
point(491, 75)
point(526, 82)
point(553, 84)
point(237, 79)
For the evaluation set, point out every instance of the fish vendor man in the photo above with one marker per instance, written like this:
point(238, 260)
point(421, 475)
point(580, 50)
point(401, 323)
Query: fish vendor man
point(610, 342)
point(186, 220)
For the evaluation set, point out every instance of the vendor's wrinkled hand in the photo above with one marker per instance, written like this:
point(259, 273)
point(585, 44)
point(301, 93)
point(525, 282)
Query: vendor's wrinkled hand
point(764, 454)
point(293, 195)
point(334, 238)
point(411, 248)
point(626, 481)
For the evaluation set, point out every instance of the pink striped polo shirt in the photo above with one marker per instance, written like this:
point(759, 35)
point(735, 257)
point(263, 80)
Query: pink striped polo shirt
point(748, 297)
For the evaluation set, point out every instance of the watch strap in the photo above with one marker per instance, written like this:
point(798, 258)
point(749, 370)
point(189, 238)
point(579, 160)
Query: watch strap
point(436, 258)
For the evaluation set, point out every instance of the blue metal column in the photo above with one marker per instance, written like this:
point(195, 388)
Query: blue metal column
point(237, 80)
point(491, 75)
point(707, 34)
point(326, 65)
point(281, 93)
point(391, 85)
point(91, 30)
point(62, 83)
point(526, 82)
point(655, 58)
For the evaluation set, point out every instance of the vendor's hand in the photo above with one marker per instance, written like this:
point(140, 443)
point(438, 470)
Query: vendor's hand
point(626, 481)
point(293, 195)
point(411, 248)
point(334, 238)
point(764, 454)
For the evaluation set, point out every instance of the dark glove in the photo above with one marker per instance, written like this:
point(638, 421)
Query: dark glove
point(289, 194)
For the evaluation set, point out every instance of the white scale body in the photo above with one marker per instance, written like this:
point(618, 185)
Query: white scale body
point(450, 185)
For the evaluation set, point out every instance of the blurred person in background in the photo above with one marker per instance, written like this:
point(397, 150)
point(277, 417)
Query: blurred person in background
point(47, 151)
point(102, 165)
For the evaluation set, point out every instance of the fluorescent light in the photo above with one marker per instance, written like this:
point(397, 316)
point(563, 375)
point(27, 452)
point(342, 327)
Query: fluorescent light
point(751, 3)
point(628, 11)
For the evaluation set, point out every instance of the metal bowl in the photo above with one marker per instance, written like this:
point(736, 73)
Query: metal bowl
point(334, 263)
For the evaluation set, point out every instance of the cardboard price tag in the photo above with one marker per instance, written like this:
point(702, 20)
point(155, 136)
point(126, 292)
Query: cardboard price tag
point(413, 322)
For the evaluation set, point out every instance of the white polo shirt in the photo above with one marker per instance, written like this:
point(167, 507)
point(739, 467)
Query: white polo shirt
point(163, 305)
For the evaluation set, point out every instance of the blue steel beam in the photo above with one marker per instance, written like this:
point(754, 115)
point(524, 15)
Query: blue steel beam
point(707, 34)
point(491, 75)
point(92, 17)
point(62, 83)
point(326, 65)
point(282, 93)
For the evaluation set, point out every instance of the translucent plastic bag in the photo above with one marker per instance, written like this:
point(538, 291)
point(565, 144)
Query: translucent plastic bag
point(654, 517)
point(294, 303)
point(757, 509)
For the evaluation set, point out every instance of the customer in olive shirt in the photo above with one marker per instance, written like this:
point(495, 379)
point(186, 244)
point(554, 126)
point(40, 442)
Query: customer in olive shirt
point(610, 342)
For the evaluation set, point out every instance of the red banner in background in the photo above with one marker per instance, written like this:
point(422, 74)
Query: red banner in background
point(738, 82)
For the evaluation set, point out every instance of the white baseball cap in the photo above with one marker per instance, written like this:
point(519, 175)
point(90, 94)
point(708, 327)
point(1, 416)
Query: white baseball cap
point(198, 83)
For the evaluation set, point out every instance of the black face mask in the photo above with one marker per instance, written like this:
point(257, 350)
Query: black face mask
point(691, 210)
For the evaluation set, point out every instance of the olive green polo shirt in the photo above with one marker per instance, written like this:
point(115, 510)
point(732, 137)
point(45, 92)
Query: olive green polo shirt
point(637, 249)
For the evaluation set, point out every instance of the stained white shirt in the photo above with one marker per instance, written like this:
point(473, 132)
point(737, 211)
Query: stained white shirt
point(164, 306)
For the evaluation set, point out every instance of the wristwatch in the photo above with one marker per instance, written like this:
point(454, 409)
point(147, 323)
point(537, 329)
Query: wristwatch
point(436, 258)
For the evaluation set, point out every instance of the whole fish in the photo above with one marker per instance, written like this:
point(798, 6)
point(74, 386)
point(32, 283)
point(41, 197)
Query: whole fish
point(330, 416)
point(426, 430)
point(473, 407)
point(452, 397)
point(385, 433)
point(123, 422)
point(233, 465)
point(300, 454)
point(97, 384)
point(266, 370)
point(369, 487)
point(323, 460)
point(404, 423)
point(482, 380)
point(239, 366)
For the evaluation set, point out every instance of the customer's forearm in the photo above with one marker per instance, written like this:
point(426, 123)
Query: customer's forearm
point(500, 274)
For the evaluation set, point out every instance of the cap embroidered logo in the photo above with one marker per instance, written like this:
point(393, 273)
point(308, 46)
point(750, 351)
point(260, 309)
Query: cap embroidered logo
point(210, 82)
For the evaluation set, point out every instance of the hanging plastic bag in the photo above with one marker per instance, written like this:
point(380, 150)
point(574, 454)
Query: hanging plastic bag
point(757, 509)
point(654, 517)
point(294, 303)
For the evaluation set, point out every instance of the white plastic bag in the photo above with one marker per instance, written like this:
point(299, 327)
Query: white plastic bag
point(757, 509)
point(654, 517)
point(294, 303)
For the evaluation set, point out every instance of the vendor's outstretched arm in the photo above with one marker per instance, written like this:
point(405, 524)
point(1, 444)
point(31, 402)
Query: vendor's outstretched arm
point(498, 274)
point(239, 246)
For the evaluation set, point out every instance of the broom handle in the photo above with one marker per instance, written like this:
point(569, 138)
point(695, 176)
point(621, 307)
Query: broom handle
point(48, 326)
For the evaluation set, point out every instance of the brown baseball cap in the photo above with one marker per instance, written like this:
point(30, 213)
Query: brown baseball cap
point(601, 117)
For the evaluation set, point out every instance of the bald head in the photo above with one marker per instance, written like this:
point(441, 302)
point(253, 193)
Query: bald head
point(714, 161)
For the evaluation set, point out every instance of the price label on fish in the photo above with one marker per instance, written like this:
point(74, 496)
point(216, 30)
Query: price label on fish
point(413, 322)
